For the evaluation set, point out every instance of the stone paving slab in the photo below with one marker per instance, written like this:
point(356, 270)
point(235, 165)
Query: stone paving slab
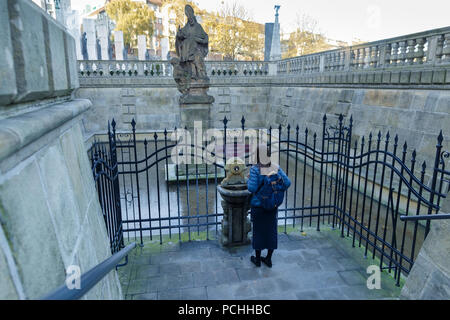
point(318, 265)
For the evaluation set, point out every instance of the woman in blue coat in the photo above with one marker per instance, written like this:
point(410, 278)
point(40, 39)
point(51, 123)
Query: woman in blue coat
point(264, 221)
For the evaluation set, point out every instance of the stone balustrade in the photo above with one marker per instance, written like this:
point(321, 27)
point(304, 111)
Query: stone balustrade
point(238, 68)
point(420, 58)
point(116, 68)
point(163, 68)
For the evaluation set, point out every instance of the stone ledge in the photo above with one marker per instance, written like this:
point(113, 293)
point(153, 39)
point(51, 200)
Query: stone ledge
point(18, 131)
point(37, 59)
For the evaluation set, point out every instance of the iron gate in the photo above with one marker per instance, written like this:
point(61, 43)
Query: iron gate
point(361, 187)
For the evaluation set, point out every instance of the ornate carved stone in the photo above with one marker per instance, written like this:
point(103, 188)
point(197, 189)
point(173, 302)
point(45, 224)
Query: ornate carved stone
point(235, 204)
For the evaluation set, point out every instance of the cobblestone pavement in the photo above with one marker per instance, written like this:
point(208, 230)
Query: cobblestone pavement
point(318, 265)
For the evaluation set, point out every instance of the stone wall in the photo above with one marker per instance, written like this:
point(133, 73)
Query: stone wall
point(154, 104)
point(50, 216)
point(49, 212)
point(415, 115)
point(429, 278)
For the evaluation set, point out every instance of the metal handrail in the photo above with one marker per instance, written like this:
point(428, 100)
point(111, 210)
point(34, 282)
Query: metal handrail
point(91, 277)
point(439, 216)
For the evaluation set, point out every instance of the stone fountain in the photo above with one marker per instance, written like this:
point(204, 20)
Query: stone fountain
point(235, 204)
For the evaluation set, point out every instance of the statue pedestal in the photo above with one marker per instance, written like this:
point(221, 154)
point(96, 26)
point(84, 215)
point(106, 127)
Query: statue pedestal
point(189, 113)
point(195, 105)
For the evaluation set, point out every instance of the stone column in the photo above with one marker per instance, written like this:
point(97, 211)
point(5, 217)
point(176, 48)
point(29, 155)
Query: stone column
point(273, 69)
point(91, 41)
point(322, 63)
point(275, 48)
point(63, 11)
point(164, 48)
point(102, 32)
point(142, 46)
point(118, 44)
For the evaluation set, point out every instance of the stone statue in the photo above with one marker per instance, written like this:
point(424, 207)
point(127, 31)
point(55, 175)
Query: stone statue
point(110, 48)
point(125, 52)
point(84, 46)
point(99, 49)
point(192, 45)
point(189, 68)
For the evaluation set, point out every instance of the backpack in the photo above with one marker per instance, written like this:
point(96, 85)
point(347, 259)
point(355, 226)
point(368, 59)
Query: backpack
point(271, 192)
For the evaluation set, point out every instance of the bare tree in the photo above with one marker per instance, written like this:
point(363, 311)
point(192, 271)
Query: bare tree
point(307, 37)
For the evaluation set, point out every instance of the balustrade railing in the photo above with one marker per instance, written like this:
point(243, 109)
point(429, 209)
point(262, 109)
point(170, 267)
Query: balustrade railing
point(163, 68)
point(418, 59)
point(429, 48)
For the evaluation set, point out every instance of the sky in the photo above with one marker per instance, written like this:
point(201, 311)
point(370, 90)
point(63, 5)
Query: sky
point(346, 20)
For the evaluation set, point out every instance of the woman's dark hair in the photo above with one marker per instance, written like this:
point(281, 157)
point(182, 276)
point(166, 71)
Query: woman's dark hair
point(263, 155)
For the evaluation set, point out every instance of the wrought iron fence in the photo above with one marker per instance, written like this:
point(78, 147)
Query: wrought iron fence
point(106, 176)
point(360, 187)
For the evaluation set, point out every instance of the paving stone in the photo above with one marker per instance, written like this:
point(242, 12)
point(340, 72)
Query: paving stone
point(264, 286)
point(171, 246)
point(226, 276)
point(329, 279)
point(349, 264)
point(194, 294)
point(234, 291)
point(309, 265)
point(161, 258)
point(170, 268)
point(292, 245)
point(352, 277)
point(282, 237)
point(211, 264)
point(357, 292)
point(310, 254)
point(287, 295)
point(220, 253)
point(142, 260)
point(319, 269)
point(333, 252)
point(174, 294)
point(248, 273)
point(197, 245)
point(290, 258)
point(190, 266)
point(180, 281)
point(205, 278)
point(332, 294)
point(329, 264)
point(234, 262)
point(137, 287)
point(286, 284)
point(167, 282)
point(308, 295)
point(145, 271)
point(241, 251)
point(145, 296)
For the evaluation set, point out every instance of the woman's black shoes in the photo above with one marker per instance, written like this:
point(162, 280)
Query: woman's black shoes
point(267, 262)
point(257, 262)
